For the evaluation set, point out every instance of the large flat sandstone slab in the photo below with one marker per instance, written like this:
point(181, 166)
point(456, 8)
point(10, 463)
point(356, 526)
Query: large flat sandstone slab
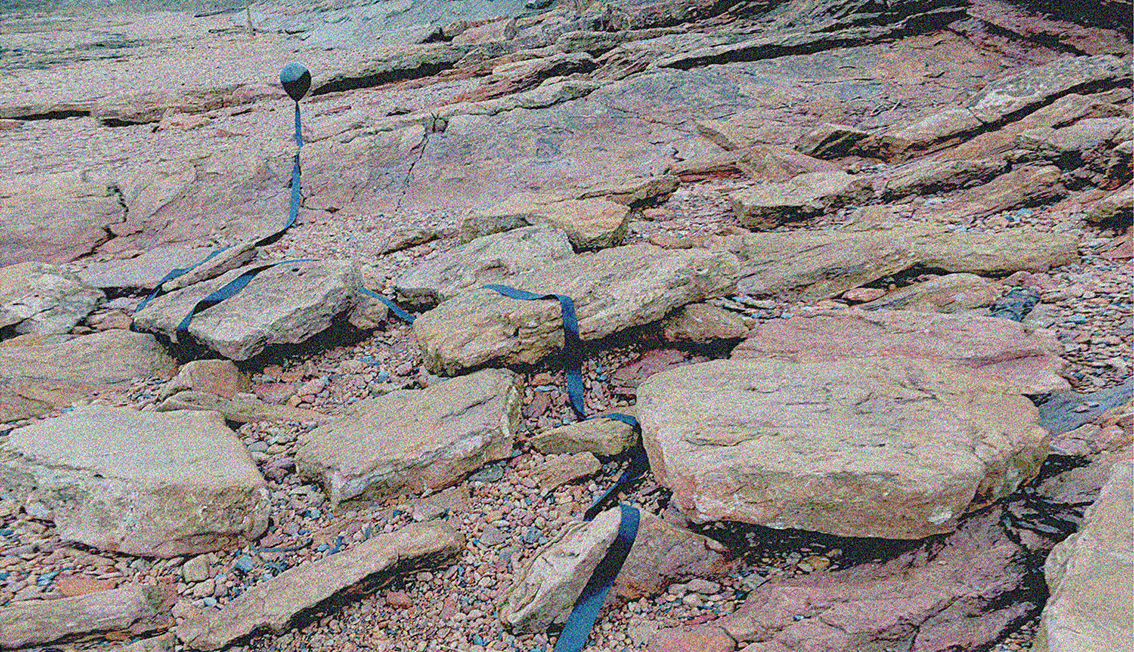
point(415, 440)
point(988, 346)
point(613, 289)
point(898, 448)
point(140, 483)
point(286, 304)
point(135, 609)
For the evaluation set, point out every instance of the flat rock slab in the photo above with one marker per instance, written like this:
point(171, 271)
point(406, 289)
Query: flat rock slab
point(488, 259)
point(947, 294)
point(606, 437)
point(1091, 607)
point(613, 289)
point(241, 408)
point(897, 449)
point(273, 605)
point(54, 218)
point(132, 609)
point(38, 378)
point(139, 483)
point(662, 553)
point(588, 223)
point(286, 304)
point(45, 299)
point(990, 347)
point(146, 270)
point(415, 440)
point(803, 197)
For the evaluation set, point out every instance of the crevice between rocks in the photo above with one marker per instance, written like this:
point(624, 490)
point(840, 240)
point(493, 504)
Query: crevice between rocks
point(378, 79)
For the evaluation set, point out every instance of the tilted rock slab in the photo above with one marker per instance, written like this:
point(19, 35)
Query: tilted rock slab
point(139, 483)
point(286, 304)
point(800, 198)
point(488, 259)
point(589, 223)
point(895, 448)
point(1091, 607)
point(547, 587)
point(39, 298)
point(415, 440)
point(613, 289)
point(990, 347)
point(947, 294)
point(135, 609)
point(273, 605)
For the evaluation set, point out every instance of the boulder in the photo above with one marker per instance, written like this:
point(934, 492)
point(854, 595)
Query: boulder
point(613, 290)
point(588, 223)
point(547, 587)
point(39, 298)
point(702, 323)
point(131, 610)
point(1089, 611)
point(140, 483)
point(990, 347)
point(274, 605)
point(37, 378)
point(802, 197)
point(897, 448)
point(948, 294)
point(606, 437)
point(414, 440)
point(219, 377)
point(54, 218)
point(488, 259)
point(285, 304)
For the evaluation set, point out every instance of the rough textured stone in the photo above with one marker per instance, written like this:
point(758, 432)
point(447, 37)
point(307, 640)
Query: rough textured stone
point(1091, 607)
point(285, 304)
point(987, 346)
point(547, 587)
point(414, 440)
point(708, 638)
point(1115, 207)
point(37, 378)
point(897, 449)
point(933, 175)
point(39, 298)
point(606, 437)
point(145, 270)
point(948, 294)
point(241, 408)
point(135, 609)
point(220, 377)
point(1028, 90)
point(800, 198)
point(54, 218)
point(1026, 185)
point(489, 259)
point(613, 289)
point(562, 469)
point(272, 606)
point(703, 322)
point(588, 223)
point(139, 483)
point(772, 163)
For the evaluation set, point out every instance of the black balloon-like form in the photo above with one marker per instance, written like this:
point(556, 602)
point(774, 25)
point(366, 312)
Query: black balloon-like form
point(296, 80)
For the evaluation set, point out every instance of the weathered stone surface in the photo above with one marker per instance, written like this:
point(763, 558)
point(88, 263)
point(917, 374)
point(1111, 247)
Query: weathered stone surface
point(948, 294)
point(800, 198)
point(987, 346)
point(1091, 607)
point(932, 175)
point(220, 377)
point(135, 609)
point(489, 259)
point(1115, 207)
point(832, 141)
point(148, 268)
point(703, 322)
point(1026, 185)
point(1028, 90)
point(54, 218)
point(285, 304)
point(547, 587)
point(606, 437)
point(1068, 146)
point(996, 254)
point(139, 483)
point(613, 289)
point(709, 638)
point(414, 440)
point(272, 606)
point(935, 131)
point(39, 298)
point(897, 449)
point(772, 163)
point(589, 223)
point(559, 470)
point(35, 379)
point(241, 407)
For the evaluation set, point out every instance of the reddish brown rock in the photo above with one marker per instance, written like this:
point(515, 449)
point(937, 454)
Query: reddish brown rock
point(708, 638)
point(219, 377)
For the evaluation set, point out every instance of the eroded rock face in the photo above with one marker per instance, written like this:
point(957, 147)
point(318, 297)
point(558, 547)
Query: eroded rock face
point(588, 223)
point(1089, 611)
point(546, 589)
point(54, 218)
point(137, 482)
point(286, 304)
point(136, 609)
point(948, 294)
point(897, 448)
point(44, 299)
point(613, 289)
point(271, 606)
point(415, 440)
point(991, 347)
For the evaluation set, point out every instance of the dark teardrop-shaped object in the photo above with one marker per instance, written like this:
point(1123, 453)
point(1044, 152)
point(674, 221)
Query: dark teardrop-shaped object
point(296, 80)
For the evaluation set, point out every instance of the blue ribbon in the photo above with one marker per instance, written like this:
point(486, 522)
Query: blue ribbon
point(229, 290)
